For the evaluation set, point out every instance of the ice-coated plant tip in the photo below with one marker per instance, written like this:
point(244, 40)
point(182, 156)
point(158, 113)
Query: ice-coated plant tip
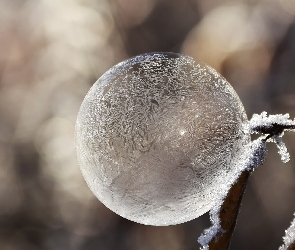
point(289, 238)
point(158, 137)
point(223, 215)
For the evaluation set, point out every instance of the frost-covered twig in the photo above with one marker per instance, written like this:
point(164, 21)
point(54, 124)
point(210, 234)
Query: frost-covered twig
point(272, 124)
point(289, 238)
point(223, 216)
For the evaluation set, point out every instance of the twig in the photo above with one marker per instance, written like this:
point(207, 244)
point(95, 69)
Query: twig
point(289, 238)
point(229, 212)
point(292, 246)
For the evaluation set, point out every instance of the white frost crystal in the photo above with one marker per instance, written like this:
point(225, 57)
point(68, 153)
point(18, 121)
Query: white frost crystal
point(283, 151)
point(289, 237)
point(262, 120)
point(158, 137)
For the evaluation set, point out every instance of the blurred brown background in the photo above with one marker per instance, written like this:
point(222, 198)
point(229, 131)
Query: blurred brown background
point(52, 51)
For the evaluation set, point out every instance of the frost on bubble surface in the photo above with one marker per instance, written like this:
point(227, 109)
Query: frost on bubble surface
point(157, 137)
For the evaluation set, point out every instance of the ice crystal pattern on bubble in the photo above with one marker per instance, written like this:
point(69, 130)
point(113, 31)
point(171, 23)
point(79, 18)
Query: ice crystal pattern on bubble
point(157, 136)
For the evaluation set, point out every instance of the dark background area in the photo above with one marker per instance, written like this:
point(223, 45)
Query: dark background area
point(52, 51)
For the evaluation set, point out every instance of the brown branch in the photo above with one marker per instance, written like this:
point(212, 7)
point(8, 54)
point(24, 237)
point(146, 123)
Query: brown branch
point(292, 246)
point(229, 212)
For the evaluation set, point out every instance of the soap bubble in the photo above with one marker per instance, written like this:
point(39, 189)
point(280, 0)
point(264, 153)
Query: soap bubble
point(157, 135)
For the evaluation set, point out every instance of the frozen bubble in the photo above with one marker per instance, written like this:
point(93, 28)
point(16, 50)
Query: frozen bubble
point(156, 137)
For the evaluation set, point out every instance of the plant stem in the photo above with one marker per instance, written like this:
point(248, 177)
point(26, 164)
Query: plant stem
point(229, 212)
point(292, 246)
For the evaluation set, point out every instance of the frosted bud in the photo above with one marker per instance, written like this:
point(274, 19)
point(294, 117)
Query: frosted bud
point(156, 137)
